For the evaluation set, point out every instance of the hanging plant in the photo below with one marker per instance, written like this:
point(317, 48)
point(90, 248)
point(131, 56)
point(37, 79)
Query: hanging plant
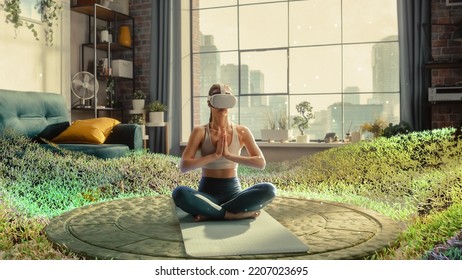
point(48, 10)
point(12, 9)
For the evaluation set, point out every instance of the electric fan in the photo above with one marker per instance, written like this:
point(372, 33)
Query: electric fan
point(84, 86)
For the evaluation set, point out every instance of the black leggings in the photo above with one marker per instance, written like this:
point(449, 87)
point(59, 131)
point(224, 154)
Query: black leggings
point(216, 196)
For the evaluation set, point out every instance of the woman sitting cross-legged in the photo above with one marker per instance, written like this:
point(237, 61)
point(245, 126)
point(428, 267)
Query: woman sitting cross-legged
point(219, 144)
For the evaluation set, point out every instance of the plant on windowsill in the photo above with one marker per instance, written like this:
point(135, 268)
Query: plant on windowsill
point(397, 129)
point(271, 121)
point(302, 121)
point(277, 128)
point(375, 128)
point(283, 123)
point(156, 112)
point(48, 10)
point(138, 100)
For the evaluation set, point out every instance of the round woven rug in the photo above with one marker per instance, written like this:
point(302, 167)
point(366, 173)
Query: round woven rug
point(147, 228)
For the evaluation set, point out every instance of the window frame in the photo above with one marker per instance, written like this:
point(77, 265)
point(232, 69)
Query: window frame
point(345, 127)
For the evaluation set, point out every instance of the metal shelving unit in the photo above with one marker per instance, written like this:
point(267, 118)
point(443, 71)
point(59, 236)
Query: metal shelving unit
point(98, 12)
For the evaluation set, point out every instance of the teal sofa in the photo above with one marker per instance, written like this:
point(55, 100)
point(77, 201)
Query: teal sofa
point(42, 116)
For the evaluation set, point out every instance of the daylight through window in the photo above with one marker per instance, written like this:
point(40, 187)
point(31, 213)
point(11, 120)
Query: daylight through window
point(340, 55)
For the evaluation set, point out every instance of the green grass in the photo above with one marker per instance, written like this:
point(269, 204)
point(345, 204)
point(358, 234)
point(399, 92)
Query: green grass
point(415, 179)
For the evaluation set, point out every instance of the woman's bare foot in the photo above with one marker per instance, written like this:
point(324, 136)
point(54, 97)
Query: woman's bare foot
point(241, 215)
point(230, 216)
point(200, 218)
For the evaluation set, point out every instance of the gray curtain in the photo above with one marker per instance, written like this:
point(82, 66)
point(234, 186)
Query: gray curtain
point(414, 18)
point(163, 51)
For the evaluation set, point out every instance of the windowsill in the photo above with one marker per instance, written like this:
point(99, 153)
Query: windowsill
point(299, 145)
point(292, 144)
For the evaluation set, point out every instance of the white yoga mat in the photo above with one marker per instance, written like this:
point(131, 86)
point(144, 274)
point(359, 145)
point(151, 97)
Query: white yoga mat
point(263, 235)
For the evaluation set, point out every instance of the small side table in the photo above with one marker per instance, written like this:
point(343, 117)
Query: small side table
point(161, 124)
point(145, 136)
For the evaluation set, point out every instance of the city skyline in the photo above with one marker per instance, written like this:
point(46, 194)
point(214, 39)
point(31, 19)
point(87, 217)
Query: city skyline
point(295, 72)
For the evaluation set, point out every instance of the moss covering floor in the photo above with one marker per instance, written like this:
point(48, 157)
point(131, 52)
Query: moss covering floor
point(147, 228)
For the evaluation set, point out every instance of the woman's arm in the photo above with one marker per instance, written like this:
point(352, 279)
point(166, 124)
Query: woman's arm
point(188, 158)
point(255, 158)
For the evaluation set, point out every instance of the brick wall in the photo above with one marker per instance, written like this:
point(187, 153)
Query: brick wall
point(445, 49)
point(447, 114)
point(140, 10)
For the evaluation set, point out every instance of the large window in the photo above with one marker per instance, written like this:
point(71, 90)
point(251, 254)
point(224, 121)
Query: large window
point(340, 55)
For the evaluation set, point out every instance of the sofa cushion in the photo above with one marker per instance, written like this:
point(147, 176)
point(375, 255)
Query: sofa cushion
point(89, 131)
point(29, 113)
point(103, 151)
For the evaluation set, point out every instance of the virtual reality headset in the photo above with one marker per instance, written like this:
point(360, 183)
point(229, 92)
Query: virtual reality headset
point(222, 100)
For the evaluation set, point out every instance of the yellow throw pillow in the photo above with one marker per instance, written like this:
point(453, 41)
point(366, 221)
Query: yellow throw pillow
point(90, 131)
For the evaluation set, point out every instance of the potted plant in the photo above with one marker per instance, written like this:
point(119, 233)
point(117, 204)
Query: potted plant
point(156, 112)
point(277, 129)
point(105, 34)
point(138, 100)
point(139, 120)
point(302, 121)
point(105, 3)
point(375, 128)
point(110, 94)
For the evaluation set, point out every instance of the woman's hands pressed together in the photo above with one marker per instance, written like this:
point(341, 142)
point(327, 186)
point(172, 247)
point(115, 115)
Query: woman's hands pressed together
point(222, 144)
